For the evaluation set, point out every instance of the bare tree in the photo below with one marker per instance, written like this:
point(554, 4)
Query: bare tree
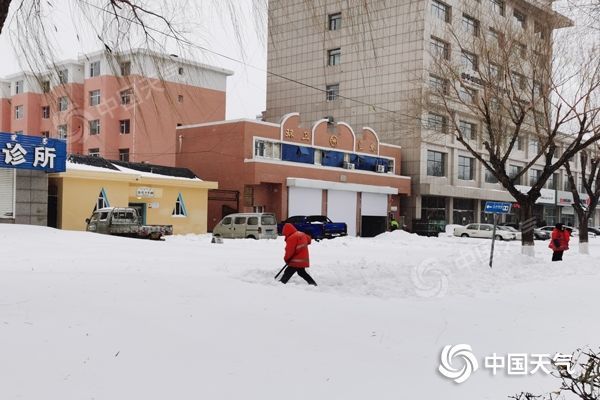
point(510, 83)
point(590, 183)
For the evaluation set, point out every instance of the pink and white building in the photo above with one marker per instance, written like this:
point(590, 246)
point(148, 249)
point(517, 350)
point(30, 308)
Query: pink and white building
point(119, 106)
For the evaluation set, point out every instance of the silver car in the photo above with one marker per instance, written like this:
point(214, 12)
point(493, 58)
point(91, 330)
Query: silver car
point(247, 226)
point(483, 231)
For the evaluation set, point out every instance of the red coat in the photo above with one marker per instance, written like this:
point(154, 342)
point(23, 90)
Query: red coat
point(296, 247)
point(563, 240)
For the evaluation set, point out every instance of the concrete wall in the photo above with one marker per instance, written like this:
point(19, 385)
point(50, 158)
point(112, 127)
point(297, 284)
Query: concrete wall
point(31, 204)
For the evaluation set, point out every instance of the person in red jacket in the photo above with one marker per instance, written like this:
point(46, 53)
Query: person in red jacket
point(559, 241)
point(296, 254)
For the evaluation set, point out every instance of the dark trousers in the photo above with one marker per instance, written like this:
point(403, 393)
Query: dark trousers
point(290, 271)
point(557, 255)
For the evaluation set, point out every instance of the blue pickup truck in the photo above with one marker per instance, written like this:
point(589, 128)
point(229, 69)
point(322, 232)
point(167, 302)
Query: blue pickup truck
point(317, 226)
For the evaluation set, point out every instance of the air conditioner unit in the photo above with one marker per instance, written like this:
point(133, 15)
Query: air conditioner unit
point(381, 169)
point(348, 165)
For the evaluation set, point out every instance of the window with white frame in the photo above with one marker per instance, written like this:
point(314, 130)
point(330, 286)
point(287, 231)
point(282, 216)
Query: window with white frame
point(468, 130)
point(94, 69)
point(102, 201)
point(490, 177)
point(534, 176)
point(124, 155)
point(437, 122)
point(334, 56)
point(124, 126)
point(46, 112)
point(18, 87)
point(95, 152)
point(498, 6)
point(94, 97)
point(439, 48)
point(179, 210)
point(126, 96)
point(438, 85)
point(334, 21)
point(469, 61)
point(62, 132)
point(267, 149)
point(63, 103)
point(19, 113)
point(94, 127)
point(436, 163)
point(534, 146)
point(467, 95)
point(513, 172)
point(440, 10)
point(332, 92)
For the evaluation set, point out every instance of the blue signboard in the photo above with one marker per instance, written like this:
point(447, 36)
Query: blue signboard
point(497, 207)
point(32, 152)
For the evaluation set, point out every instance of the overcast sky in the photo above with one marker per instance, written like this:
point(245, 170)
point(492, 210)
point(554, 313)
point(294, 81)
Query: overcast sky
point(213, 30)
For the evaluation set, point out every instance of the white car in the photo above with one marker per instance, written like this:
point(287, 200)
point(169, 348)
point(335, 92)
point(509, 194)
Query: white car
point(573, 231)
point(483, 231)
point(518, 234)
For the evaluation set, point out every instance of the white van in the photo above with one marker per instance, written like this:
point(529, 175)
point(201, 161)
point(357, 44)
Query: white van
point(247, 225)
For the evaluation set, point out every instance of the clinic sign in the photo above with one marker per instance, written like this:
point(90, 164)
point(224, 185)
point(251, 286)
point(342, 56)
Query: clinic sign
point(32, 152)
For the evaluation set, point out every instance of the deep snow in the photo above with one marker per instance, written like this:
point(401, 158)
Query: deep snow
point(86, 316)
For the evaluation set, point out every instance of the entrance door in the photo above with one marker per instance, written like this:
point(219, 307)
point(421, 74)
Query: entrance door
point(373, 210)
point(141, 210)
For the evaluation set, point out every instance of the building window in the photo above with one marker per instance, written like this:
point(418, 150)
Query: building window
point(497, 36)
point(521, 49)
point(18, 87)
point(124, 126)
point(470, 25)
point(45, 134)
point(469, 61)
point(94, 69)
point(46, 112)
point(179, 210)
point(438, 123)
point(19, 112)
point(126, 96)
point(534, 146)
point(495, 72)
point(102, 201)
point(124, 155)
point(266, 149)
point(436, 163)
point(334, 21)
point(180, 98)
point(467, 95)
point(440, 49)
point(125, 68)
point(94, 153)
point(520, 18)
point(534, 176)
point(498, 6)
point(468, 130)
point(62, 132)
point(180, 70)
point(63, 76)
point(45, 86)
point(489, 177)
point(334, 56)
point(439, 85)
point(94, 127)
point(63, 103)
point(540, 30)
point(94, 97)
point(332, 92)
point(552, 181)
point(518, 80)
point(513, 171)
point(465, 168)
point(520, 143)
point(440, 10)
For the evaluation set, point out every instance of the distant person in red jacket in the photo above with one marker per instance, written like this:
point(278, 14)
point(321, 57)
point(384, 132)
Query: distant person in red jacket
point(559, 241)
point(296, 254)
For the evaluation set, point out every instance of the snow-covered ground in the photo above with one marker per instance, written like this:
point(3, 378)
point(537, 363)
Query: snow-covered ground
point(86, 316)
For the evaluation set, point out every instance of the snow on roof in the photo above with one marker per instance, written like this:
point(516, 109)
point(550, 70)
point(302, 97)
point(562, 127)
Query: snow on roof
point(122, 170)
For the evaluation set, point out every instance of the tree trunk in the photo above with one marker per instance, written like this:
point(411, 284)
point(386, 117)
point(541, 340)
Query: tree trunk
point(527, 225)
point(583, 232)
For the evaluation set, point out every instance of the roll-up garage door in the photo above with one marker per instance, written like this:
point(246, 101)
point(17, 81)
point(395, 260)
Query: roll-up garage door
point(341, 207)
point(304, 201)
point(7, 192)
point(373, 210)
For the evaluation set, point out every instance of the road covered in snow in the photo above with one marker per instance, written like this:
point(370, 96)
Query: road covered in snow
point(86, 316)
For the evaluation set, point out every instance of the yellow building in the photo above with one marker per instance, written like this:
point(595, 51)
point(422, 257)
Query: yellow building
point(162, 195)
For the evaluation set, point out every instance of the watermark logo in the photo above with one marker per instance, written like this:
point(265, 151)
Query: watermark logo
point(464, 353)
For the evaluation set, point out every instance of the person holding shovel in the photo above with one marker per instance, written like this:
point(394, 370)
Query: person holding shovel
point(296, 254)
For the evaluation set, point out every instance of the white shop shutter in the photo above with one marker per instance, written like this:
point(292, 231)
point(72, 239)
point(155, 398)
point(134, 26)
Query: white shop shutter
point(304, 201)
point(7, 192)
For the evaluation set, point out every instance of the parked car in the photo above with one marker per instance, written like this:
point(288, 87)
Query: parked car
point(124, 221)
point(508, 228)
point(538, 234)
point(247, 226)
point(573, 231)
point(595, 231)
point(483, 231)
point(317, 226)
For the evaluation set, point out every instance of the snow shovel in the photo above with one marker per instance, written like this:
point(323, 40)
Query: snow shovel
point(279, 273)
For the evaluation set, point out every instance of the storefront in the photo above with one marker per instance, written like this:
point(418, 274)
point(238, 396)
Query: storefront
point(464, 211)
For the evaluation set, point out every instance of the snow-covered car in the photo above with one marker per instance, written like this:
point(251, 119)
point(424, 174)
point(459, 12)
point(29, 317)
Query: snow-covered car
point(573, 231)
point(483, 231)
point(517, 233)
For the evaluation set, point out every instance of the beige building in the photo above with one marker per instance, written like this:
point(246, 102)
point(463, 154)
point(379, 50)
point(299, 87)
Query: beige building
point(374, 69)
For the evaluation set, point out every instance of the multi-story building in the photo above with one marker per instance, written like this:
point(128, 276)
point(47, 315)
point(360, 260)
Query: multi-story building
point(116, 105)
point(374, 68)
